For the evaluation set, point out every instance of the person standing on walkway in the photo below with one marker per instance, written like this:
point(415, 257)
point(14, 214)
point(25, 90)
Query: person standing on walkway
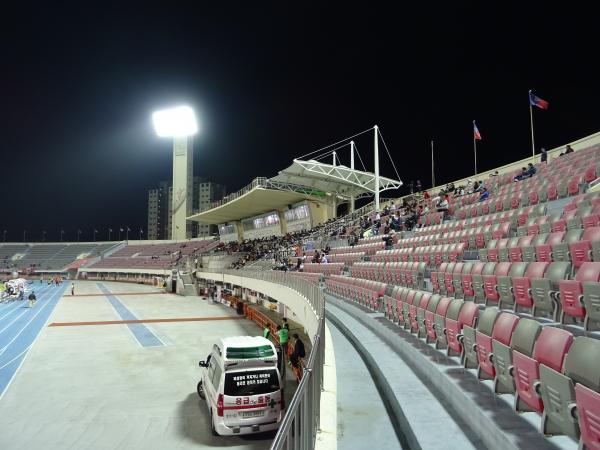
point(72, 288)
point(267, 332)
point(32, 299)
point(282, 334)
point(297, 355)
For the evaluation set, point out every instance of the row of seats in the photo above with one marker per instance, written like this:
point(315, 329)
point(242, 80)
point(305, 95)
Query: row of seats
point(545, 367)
point(346, 258)
point(364, 292)
point(543, 288)
point(576, 246)
point(399, 273)
point(378, 238)
point(573, 219)
point(368, 249)
point(515, 217)
point(432, 255)
point(326, 269)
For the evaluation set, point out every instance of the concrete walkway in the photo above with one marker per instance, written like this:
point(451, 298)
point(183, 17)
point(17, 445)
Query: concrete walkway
point(431, 424)
point(362, 420)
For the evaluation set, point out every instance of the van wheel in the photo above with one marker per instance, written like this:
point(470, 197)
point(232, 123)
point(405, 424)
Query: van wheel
point(212, 425)
point(200, 389)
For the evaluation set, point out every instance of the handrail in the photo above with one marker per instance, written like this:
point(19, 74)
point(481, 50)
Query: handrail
point(299, 427)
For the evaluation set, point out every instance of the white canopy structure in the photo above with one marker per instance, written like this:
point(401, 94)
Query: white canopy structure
point(303, 180)
point(336, 179)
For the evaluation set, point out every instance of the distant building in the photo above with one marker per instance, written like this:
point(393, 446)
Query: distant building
point(160, 206)
point(159, 217)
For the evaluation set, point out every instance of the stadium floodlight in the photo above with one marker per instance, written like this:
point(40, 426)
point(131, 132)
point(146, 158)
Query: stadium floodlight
point(175, 122)
point(180, 124)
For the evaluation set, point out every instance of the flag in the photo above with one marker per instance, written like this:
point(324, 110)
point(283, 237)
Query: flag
point(95, 231)
point(141, 231)
point(110, 229)
point(128, 229)
point(536, 101)
point(476, 133)
point(121, 229)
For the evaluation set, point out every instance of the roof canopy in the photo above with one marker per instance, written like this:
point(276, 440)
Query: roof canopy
point(340, 180)
point(302, 180)
point(254, 202)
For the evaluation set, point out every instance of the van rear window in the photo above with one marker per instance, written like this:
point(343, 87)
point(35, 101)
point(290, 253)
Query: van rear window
point(262, 351)
point(252, 382)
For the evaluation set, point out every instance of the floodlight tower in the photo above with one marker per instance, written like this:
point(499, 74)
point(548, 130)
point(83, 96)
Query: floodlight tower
point(180, 124)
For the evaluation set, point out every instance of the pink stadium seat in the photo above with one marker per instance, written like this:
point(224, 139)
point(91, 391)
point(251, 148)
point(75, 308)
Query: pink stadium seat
point(571, 291)
point(533, 197)
point(552, 192)
point(588, 406)
point(591, 220)
point(467, 279)
point(467, 316)
point(494, 252)
point(544, 251)
point(515, 253)
point(573, 185)
point(490, 282)
point(502, 332)
point(581, 251)
point(550, 349)
point(522, 285)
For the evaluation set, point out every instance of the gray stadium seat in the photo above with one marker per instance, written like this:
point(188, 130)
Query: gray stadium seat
point(544, 290)
point(488, 269)
point(507, 299)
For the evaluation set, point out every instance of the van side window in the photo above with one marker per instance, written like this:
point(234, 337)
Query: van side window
point(217, 377)
point(211, 369)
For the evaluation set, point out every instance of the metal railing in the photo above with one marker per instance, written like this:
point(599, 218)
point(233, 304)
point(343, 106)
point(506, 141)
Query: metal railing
point(299, 427)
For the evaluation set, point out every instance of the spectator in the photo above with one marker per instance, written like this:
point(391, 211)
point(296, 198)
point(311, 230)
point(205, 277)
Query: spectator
point(544, 157)
point(569, 149)
point(484, 195)
point(522, 175)
point(443, 205)
point(282, 335)
point(494, 174)
point(531, 170)
point(418, 186)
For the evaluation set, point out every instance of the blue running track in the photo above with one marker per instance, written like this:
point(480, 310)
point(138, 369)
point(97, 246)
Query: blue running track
point(20, 325)
point(141, 332)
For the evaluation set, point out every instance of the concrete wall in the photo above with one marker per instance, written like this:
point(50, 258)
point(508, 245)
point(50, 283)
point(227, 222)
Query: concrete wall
point(292, 299)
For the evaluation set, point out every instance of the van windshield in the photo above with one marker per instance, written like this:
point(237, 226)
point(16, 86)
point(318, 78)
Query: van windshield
point(251, 382)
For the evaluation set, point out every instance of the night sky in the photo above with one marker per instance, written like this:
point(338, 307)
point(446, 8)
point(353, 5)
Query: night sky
point(269, 83)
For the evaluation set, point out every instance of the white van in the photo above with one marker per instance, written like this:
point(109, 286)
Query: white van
point(242, 386)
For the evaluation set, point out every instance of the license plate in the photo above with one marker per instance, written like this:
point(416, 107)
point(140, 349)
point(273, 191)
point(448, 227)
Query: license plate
point(248, 414)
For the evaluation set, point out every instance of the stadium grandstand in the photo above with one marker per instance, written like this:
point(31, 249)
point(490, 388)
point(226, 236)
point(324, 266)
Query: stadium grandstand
point(479, 316)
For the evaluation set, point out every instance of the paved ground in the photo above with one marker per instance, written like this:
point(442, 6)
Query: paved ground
point(117, 386)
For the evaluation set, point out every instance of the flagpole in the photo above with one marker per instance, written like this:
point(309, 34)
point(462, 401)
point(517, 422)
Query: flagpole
point(475, 152)
point(531, 123)
point(432, 167)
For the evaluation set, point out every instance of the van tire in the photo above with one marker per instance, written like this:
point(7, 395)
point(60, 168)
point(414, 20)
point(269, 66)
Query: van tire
point(200, 390)
point(212, 425)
